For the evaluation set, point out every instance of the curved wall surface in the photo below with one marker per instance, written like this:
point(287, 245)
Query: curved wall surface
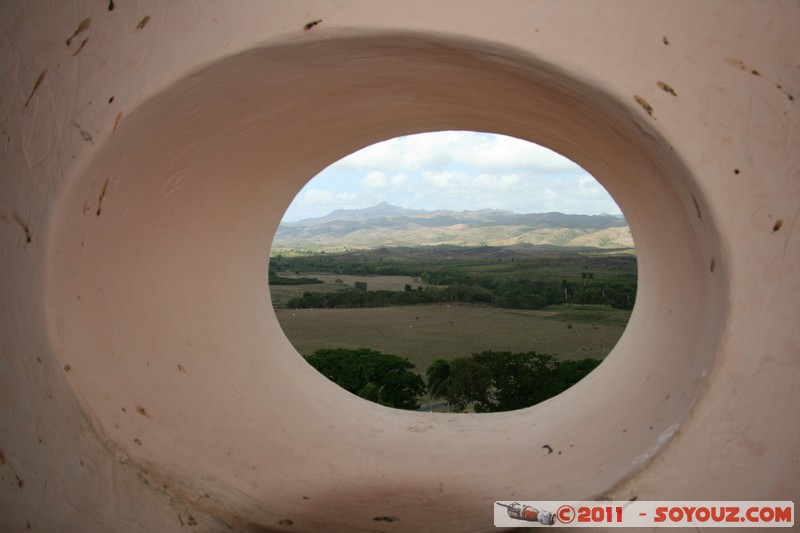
point(150, 151)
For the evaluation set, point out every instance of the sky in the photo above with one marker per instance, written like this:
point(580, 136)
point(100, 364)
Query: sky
point(454, 170)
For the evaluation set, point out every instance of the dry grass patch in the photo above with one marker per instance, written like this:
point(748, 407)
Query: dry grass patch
point(423, 333)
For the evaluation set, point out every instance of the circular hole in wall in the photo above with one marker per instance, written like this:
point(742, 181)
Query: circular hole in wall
point(453, 271)
point(157, 300)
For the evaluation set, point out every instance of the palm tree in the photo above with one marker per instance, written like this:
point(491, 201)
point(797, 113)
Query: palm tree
point(439, 381)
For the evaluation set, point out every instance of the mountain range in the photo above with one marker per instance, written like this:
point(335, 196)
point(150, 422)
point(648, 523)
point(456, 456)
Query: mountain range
point(389, 225)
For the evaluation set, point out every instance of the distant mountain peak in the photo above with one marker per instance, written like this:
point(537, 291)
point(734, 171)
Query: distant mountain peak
point(386, 209)
point(382, 209)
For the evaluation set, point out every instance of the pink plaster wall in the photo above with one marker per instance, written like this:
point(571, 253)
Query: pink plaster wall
point(145, 384)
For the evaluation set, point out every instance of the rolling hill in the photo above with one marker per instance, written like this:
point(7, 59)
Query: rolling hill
point(388, 225)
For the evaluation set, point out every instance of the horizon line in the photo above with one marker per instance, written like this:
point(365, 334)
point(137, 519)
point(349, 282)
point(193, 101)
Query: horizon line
point(385, 202)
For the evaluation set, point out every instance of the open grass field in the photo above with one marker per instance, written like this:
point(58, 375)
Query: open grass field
point(423, 333)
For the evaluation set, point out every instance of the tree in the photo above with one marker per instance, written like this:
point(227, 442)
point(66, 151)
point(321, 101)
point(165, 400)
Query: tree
point(470, 384)
point(568, 373)
point(566, 285)
point(438, 375)
point(519, 380)
point(382, 378)
point(504, 381)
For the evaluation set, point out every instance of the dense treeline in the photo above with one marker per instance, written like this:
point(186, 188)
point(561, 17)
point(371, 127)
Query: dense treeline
point(490, 382)
point(487, 275)
point(378, 377)
point(356, 297)
point(278, 280)
point(442, 262)
point(519, 294)
point(485, 382)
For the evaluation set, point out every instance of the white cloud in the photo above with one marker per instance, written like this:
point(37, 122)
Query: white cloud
point(432, 150)
point(500, 183)
point(549, 194)
point(374, 156)
point(399, 181)
point(448, 179)
point(438, 150)
point(313, 202)
point(588, 186)
point(323, 197)
point(374, 180)
point(501, 152)
point(315, 197)
point(454, 170)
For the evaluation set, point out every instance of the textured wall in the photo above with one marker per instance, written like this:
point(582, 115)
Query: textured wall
point(150, 150)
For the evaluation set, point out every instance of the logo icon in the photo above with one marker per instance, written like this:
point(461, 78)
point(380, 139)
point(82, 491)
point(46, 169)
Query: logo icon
point(518, 511)
point(565, 514)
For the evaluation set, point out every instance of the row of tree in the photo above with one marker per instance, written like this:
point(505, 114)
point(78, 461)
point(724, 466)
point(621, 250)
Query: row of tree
point(274, 279)
point(499, 276)
point(485, 382)
point(446, 265)
point(508, 293)
point(490, 382)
